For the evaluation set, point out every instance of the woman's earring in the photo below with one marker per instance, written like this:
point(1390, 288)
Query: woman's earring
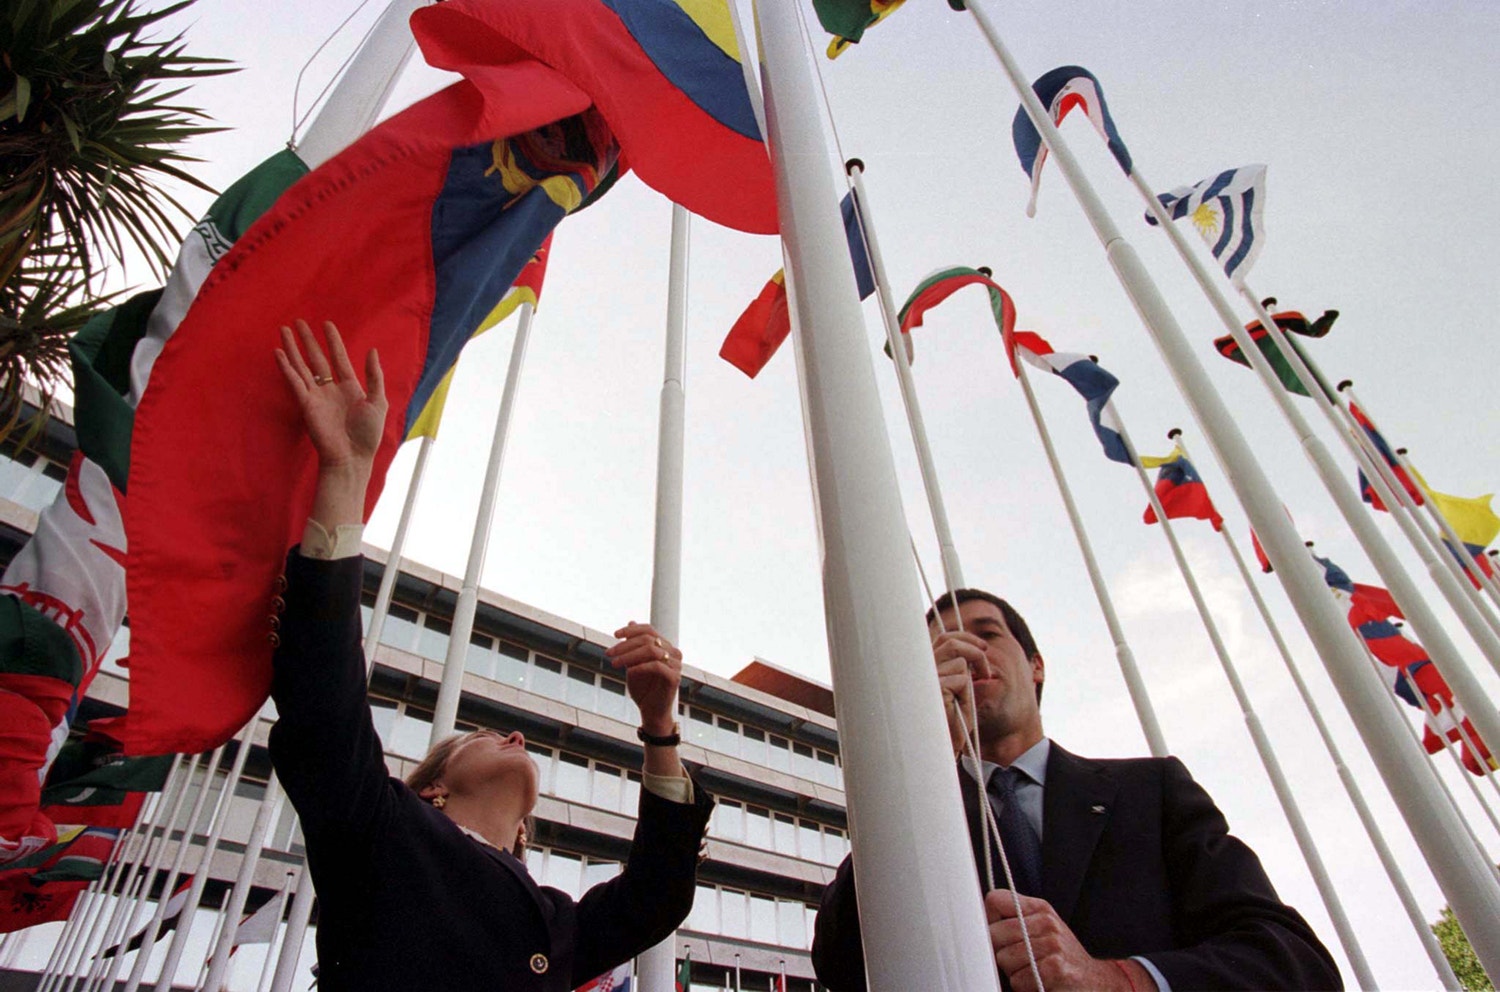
point(438, 802)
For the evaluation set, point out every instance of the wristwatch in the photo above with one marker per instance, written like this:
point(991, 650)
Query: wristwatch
point(668, 740)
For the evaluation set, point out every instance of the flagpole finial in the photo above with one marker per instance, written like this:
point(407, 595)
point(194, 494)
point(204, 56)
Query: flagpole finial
point(986, 271)
point(1174, 433)
point(1308, 543)
point(1346, 384)
point(1268, 302)
point(854, 163)
point(1401, 451)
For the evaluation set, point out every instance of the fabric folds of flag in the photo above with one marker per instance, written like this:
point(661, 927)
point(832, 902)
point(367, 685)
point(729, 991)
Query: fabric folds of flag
point(527, 289)
point(666, 75)
point(92, 782)
point(943, 283)
point(1180, 490)
point(406, 240)
point(685, 972)
point(615, 980)
point(42, 887)
point(1230, 349)
point(433, 223)
point(1090, 380)
point(1227, 211)
point(1061, 91)
point(1366, 489)
point(760, 330)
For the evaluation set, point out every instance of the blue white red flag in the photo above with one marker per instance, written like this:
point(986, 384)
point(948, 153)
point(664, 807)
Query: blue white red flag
point(1061, 91)
point(1227, 212)
point(1090, 379)
point(615, 980)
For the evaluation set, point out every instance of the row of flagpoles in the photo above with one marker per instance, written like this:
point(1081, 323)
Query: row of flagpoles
point(868, 571)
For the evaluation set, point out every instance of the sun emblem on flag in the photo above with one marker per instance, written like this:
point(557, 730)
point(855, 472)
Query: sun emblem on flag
point(1206, 220)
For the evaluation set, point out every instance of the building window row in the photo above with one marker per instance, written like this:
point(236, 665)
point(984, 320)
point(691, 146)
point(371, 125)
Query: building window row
point(427, 635)
point(719, 733)
point(783, 833)
point(575, 874)
point(749, 916)
point(31, 479)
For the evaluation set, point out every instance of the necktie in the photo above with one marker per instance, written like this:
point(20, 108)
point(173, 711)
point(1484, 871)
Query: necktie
point(1023, 848)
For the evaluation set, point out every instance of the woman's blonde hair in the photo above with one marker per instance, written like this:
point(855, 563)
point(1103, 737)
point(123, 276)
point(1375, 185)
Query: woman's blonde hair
point(429, 772)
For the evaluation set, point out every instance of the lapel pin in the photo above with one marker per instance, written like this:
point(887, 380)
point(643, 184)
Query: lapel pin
point(1096, 809)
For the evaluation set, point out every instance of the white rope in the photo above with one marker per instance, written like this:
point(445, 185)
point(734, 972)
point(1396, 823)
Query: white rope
point(297, 122)
point(989, 826)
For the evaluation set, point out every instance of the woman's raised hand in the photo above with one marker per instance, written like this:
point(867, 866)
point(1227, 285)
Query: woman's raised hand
point(344, 419)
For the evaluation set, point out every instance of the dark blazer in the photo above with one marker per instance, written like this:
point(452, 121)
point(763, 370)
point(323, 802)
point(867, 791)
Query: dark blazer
point(1137, 860)
point(408, 901)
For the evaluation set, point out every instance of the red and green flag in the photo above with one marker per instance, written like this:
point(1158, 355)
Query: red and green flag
point(1230, 349)
point(685, 972)
point(943, 283)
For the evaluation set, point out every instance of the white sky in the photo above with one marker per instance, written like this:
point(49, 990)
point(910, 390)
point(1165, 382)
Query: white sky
point(1375, 121)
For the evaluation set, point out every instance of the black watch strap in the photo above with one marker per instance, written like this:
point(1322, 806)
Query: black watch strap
point(669, 740)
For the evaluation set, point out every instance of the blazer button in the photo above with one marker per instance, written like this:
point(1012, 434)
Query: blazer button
point(275, 621)
point(273, 639)
point(539, 963)
point(281, 583)
point(278, 604)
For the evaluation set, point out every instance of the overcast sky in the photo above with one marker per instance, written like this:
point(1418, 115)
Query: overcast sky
point(1375, 122)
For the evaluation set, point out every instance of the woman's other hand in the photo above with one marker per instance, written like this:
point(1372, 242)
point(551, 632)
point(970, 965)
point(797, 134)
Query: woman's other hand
point(653, 669)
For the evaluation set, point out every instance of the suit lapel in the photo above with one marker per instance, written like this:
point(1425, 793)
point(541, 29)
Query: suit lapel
point(1076, 807)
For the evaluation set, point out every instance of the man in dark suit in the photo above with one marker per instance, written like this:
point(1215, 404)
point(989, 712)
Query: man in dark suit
point(1124, 870)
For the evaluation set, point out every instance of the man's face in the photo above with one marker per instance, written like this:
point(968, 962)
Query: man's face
point(1005, 681)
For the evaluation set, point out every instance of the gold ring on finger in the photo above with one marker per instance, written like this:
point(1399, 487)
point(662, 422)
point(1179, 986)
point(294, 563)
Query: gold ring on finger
point(322, 380)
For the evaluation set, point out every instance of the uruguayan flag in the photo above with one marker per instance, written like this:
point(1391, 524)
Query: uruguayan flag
point(1227, 213)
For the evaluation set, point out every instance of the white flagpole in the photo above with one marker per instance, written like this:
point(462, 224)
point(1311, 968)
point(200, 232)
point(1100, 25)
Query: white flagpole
point(656, 965)
point(131, 870)
point(122, 923)
point(265, 967)
point(234, 904)
point(296, 929)
point(393, 557)
point(127, 845)
point(1145, 712)
point(1466, 688)
point(953, 574)
point(178, 945)
point(445, 711)
point(179, 858)
point(360, 95)
point(924, 925)
point(1435, 954)
point(1268, 760)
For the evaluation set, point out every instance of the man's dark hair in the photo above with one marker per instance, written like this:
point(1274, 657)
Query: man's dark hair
point(1013, 620)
